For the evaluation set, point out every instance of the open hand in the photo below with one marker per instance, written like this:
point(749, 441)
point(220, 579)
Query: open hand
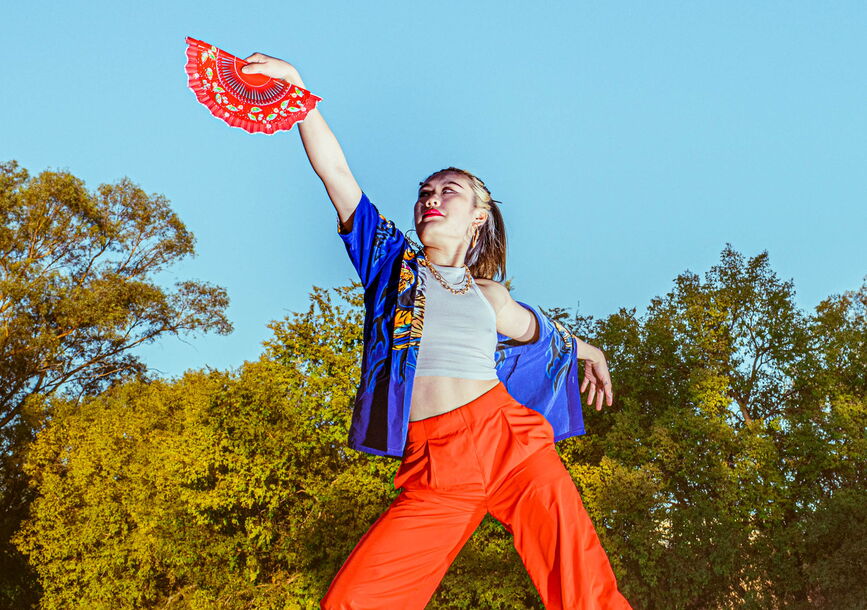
point(596, 376)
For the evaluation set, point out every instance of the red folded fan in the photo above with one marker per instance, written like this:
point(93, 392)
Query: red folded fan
point(253, 102)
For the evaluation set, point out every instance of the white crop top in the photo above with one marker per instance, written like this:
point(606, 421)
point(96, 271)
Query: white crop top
point(460, 330)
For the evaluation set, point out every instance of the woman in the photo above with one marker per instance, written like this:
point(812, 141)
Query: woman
point(467, 386)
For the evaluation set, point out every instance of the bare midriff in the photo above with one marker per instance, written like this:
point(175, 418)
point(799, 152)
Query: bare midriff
point(433, 395)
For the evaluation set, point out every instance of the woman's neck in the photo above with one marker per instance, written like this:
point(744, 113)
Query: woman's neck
point(444, 259)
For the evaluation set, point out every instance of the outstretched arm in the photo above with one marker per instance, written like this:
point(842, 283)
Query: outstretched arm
point(517, 322)
point(324, 152)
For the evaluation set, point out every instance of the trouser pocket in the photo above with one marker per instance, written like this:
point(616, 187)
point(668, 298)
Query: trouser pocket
point(415, 471)
point(445, 463)
point(529, 428)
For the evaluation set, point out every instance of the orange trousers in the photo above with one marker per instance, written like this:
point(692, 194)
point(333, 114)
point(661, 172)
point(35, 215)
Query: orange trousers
point(491, 455)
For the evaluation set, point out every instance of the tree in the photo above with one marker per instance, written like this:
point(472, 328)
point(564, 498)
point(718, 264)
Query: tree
point(730, 472)
point(76, 284)
point(732, 464)
point(228, 489)
point(77, 294)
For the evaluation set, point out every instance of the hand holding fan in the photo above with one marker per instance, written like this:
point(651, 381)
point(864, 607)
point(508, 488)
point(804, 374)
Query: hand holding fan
point(253, 102)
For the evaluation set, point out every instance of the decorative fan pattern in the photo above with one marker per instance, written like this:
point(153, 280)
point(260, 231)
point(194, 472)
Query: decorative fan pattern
point(253, 102)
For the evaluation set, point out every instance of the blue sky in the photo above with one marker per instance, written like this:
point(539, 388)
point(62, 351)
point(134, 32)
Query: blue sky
point(628, 141)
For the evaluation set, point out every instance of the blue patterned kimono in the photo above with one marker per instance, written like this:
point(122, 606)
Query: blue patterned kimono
point(542, 375)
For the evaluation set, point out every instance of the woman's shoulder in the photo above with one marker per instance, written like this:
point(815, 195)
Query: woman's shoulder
point(497, 294)
point(513, 319)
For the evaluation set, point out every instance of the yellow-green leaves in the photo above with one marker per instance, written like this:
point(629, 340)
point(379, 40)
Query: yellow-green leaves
point(729, 473)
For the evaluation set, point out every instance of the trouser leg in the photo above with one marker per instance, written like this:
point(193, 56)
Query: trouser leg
point(402, 558)
point(540, 505)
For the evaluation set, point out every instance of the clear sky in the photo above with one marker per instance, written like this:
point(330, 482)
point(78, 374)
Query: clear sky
point(629, 141)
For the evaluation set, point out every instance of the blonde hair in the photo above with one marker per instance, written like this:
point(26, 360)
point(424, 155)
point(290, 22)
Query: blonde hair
point(487, 259)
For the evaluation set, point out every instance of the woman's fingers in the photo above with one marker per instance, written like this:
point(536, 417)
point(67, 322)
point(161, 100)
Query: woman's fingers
point(599, 382)
point(589, 375)
point(259, 63)
point(255, 63)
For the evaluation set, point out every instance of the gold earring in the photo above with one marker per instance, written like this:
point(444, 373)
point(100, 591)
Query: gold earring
point(475, 238)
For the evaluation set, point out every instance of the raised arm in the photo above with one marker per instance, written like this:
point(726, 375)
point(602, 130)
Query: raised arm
point(320, 144)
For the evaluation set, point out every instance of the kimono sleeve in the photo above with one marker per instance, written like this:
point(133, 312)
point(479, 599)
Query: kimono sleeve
point(372, 241)
point(543, 375)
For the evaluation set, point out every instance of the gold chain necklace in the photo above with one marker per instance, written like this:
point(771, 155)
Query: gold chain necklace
point(467, 277)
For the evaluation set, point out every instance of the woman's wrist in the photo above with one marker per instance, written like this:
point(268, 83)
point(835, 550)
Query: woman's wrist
point(293, 78)
point(588, 352)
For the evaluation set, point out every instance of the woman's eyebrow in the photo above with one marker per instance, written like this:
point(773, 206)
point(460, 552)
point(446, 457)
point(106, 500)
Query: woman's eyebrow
point(449, 182)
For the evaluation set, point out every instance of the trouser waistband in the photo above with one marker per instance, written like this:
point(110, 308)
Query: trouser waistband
point(476, 411)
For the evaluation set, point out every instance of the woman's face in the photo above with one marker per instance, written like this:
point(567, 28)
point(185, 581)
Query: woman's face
point(445, 210)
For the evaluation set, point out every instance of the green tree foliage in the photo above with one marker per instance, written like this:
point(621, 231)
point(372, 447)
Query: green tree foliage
point(76, 289)
point(728, 474)
point(76, 295)
point(227, 489)
point(734, 461)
